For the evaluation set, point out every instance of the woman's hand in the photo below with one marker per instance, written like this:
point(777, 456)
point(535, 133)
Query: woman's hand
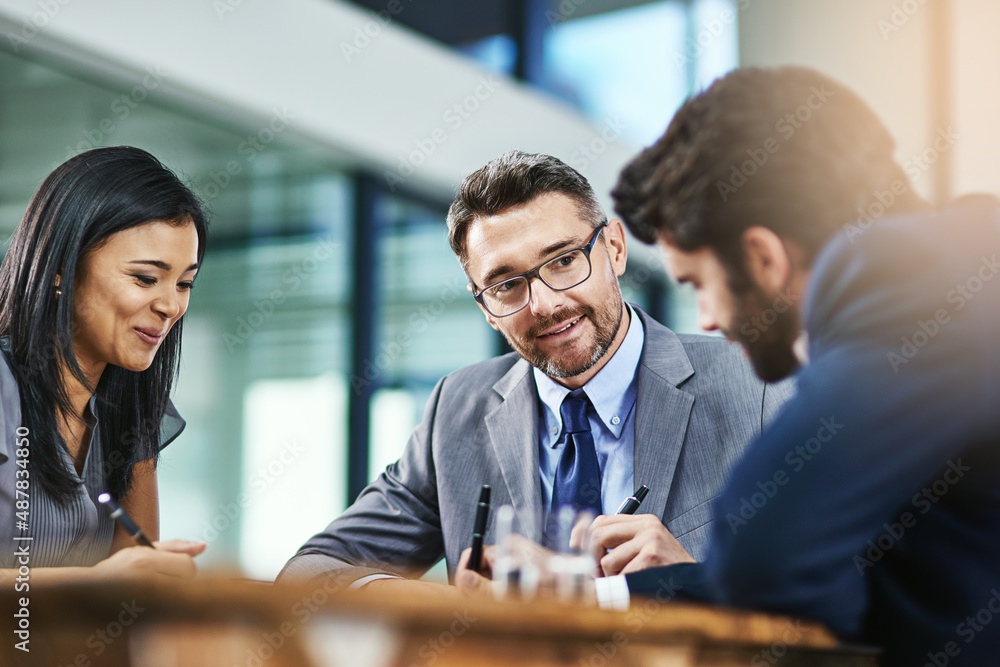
point(174, 558)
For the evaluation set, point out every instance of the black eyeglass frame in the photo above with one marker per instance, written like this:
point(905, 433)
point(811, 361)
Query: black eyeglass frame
point(534, 273)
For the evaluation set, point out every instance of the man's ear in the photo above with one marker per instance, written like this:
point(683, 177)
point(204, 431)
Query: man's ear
point(767, 259)
point(614, 236)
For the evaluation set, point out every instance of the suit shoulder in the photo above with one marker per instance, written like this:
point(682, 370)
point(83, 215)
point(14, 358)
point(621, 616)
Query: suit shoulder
point(702, 348)
point(718, 362)
point(483, 374)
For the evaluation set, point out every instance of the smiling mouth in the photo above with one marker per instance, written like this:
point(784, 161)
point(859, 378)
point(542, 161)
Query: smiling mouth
point(563, 329)
point(150, 336)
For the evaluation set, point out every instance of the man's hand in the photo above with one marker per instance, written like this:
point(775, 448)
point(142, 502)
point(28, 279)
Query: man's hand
point(485, 564)
point(475, 583)
point(624, 543)
point(523, 551)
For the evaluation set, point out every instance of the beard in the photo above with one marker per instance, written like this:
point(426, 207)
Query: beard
point(607, 320)
point(767, 334)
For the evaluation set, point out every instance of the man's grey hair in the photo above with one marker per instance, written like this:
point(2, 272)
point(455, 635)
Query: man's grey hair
point(513, 179)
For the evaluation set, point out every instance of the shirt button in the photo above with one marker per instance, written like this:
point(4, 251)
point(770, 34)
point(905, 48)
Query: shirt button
point(615, 420)
point(554, 430)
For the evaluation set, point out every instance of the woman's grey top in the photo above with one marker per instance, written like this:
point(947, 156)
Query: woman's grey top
point(48, 534)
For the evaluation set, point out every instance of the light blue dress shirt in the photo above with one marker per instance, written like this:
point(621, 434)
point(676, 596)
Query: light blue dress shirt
point(612, 421)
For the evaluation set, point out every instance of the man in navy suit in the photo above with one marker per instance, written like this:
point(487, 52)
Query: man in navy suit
point(872, 502)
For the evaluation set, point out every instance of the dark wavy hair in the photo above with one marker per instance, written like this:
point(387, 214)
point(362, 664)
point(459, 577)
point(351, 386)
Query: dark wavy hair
point(785, 148)
point(79, 206)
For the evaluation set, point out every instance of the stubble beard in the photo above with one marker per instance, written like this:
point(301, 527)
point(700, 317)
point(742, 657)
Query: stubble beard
point(607, 322)
point(770, 349)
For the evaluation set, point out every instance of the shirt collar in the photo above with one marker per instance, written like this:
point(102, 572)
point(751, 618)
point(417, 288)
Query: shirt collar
point(612, 391)
point(800, 348)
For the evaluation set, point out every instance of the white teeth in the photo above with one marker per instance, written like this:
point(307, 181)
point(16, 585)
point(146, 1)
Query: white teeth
point(565, 327)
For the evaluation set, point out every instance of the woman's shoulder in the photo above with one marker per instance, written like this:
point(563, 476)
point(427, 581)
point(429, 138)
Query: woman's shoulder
point(10, 406)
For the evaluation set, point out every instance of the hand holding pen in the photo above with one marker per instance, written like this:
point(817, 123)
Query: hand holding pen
point(628, 542)
point(173, 558)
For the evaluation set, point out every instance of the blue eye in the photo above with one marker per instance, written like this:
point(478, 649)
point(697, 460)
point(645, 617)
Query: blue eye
point(506, 287)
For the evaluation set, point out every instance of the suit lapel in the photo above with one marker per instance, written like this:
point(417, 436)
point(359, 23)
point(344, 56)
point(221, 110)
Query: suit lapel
point(662, 413)
point(513, 429)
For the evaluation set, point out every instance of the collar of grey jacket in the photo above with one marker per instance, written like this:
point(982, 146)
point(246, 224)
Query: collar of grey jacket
point(663, 366)
point(662, 353)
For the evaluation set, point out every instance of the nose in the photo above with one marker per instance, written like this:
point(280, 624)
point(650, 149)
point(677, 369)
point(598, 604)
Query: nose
point(544, 300)
point(168, 303)
point(706, 316)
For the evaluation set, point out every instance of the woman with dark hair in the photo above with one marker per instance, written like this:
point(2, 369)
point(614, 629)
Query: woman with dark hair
point(92, 291)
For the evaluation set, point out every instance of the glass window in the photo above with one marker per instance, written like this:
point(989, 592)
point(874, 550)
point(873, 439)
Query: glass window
point(294, 439)
point(617, 66)
point(266, 336)
point(422, 302)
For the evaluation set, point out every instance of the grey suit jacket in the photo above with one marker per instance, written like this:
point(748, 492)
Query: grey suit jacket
point(698, 404)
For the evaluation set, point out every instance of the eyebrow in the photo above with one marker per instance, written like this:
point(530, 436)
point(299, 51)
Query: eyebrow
point(161, 265)
point(544, 252)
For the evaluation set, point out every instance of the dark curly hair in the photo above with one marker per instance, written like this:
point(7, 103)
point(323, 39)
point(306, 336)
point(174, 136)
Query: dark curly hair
point(786, 148)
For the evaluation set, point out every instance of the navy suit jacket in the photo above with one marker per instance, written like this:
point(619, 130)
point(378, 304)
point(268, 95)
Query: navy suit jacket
point(872, 502)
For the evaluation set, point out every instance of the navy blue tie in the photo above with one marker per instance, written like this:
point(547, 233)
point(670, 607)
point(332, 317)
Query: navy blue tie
point(578, 477)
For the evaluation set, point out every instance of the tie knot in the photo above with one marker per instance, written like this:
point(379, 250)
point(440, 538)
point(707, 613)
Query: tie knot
point(574, 412)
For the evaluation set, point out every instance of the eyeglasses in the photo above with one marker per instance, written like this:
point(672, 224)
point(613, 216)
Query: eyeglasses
point(562, 272)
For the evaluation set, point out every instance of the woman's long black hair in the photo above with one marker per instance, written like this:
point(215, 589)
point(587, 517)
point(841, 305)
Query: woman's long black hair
point(80, 205)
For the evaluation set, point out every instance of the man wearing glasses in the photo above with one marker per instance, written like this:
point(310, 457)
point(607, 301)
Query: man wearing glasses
point(597, 400)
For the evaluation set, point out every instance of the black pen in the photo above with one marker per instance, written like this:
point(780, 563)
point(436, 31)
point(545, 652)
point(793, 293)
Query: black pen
point(124, 520)
point(632, 503)
point(479, 527)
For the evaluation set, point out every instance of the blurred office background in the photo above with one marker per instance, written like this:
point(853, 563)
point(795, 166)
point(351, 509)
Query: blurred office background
point(328, 137)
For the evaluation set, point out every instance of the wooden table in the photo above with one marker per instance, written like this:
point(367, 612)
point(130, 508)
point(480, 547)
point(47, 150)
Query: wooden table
point(224, 623)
